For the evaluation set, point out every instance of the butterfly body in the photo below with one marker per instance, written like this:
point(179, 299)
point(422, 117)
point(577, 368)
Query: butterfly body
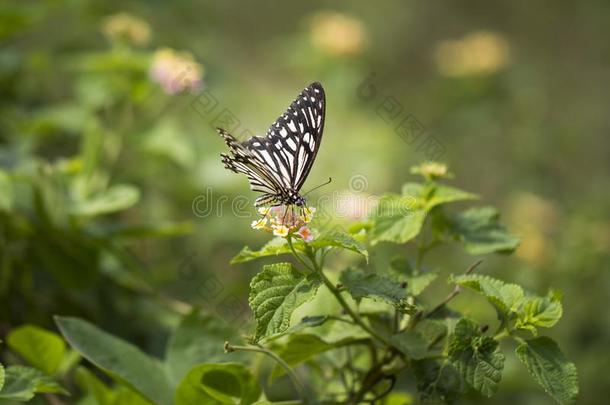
point(277, 164)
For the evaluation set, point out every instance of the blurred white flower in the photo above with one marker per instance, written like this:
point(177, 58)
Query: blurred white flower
point(125, 27)
point(280, 230)
point(176, 71)
point(476, 53)
point(338, 34)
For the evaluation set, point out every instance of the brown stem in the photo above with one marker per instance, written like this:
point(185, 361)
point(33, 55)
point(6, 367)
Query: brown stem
point(454, 293)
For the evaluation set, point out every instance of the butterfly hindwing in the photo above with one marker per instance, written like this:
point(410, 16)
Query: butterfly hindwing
point(278, 163)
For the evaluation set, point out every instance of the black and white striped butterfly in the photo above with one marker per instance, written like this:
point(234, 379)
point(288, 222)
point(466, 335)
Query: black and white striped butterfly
point(278, 163)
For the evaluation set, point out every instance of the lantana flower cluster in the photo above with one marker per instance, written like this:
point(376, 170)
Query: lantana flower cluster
point(286, 220)
point(176, 71)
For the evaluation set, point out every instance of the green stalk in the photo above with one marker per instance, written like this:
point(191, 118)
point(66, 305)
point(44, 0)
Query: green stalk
point(298, 385)
point(357, 319)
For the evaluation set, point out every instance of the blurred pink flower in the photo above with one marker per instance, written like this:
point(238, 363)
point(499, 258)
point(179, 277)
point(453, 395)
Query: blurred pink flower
point(305, 234)
point(175, 71)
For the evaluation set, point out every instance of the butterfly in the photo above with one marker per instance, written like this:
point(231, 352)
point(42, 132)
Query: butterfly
point(277, 164)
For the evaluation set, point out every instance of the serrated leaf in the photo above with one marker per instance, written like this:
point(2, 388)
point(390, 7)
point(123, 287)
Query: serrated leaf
point(227, 383)
point(396, 219)
point(22, 383)
point(121, 360)
point(540, 312)
point(340, 239)
point(275, 293)
point(198, 339)
point(371, 285)
point(274, 247)
point(548, 366)
point(477, 358)
point(437, 382)
point(481, 232)
point(505, 297)
point(41, 348)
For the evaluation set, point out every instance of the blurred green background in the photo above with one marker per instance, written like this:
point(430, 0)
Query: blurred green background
point(114, 204)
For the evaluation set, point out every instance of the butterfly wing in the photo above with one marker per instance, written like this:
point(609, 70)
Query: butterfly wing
point(242, 161)
point(280, 161)
point(292, 142)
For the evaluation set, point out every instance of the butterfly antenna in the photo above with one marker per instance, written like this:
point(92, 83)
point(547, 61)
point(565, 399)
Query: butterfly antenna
point(317, 187)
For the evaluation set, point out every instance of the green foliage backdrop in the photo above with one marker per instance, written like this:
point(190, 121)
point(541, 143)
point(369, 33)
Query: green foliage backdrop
point(115, 208)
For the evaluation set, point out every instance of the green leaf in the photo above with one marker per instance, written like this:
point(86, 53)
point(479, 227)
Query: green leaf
point(198, 339)
point(22, 383)
point(306, 322)
point(339, 239)
point(437, 382)
point(434, 195)
point(416, 283)
point(506, 298)
point(371, 285)
point(41, 348)
point(300, 348)
point(548, 366)
point(275, 293)
point(477, 358)
point(411, 343)
point(2, 374)
point(119, 359)
point(6, 191)
point(432, 330)
point(274, 247)
point(396, 219)
point(228, 383)
point(115, 198)
point(481, 232)
point(540, 312)
point(89, 383)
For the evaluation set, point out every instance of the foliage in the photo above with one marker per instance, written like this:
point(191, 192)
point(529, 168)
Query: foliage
point(101, 156)
point(390, 333)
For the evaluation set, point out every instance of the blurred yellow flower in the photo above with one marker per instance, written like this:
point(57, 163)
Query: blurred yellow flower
point(125, 27)
point(176, 71)
point(432, 170)
point(476, 53)
point(308, 214)
point(259, 224)
point(284, 220)
point(338, 34)
point(534, 220)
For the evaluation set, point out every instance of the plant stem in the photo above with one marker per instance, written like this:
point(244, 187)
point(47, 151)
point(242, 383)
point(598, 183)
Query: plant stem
point(296, 255)
point(344, 303)
point(298, 385)
point(453, 293)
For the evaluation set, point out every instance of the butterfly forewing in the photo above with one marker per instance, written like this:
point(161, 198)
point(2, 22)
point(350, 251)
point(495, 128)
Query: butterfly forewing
point(278, 163)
